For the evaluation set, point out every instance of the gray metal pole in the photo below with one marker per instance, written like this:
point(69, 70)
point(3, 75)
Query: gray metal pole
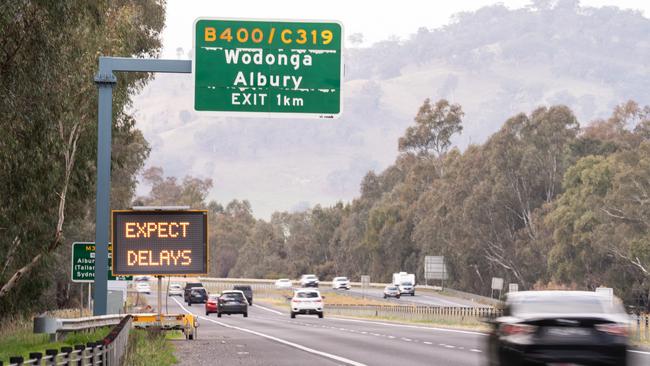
point(105, 81)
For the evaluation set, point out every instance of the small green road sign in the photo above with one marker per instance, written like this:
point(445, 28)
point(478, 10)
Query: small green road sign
point(268, 68)
point(83, 264)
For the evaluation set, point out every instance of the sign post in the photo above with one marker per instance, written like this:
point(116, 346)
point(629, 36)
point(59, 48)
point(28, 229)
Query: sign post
point(268, 68)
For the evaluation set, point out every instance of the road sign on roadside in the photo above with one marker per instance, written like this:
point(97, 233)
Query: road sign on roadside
point(435, 268)
point(365, 284)
point(497, 283)
point(163, 243)
point(513, 287)
point(268, 68)
point(83, 264)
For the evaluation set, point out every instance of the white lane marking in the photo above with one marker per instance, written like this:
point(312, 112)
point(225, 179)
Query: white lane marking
point(391, 337)
point(270, 310)
point(279, 340)
point(476, 350)
point(449, 346)
point(406, 339)
point(425, 342)
point(411, 326)
point(641, 352)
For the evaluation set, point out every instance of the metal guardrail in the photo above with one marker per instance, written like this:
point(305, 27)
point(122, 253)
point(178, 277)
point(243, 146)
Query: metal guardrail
point(415, 312)
point(640, 327)
point(109, 351)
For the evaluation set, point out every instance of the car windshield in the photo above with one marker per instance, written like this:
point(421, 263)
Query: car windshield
point(310, 277)
point(341, 279)
point(283, 280)
point(407, 284)
point(232, 296)
point(198, 291)
point(558, 305)
point(307, 295)
point(213, 297)
point(175, 287)
point(391, 288)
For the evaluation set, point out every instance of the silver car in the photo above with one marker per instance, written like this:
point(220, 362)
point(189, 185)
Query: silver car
point(391, 291)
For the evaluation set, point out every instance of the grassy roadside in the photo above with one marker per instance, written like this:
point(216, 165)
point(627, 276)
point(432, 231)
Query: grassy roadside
point(150, 348)
point(17, 339)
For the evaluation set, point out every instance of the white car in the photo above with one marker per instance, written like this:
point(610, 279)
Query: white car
point(308, 280)
point(175, 289)
point(341, 283)
point(143, 288)
point(307, 301)
point(283, 284)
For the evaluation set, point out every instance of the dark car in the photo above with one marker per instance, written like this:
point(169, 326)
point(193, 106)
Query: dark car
point(198, 295)
point(559, 327)
point(188, 287)
point(232, 302)
point(212, 304)
point(247, 290)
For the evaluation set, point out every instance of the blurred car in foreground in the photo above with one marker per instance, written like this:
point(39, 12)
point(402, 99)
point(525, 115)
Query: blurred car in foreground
point(391, 291)
point(306, 301)
point(559, 327)
point(309, 280)
point(340, 283)
point(175, 289)
point(198, 295)
point(283, 284)
point(212, 305)
point(143, 288)
point(232, 302)
point(248, 292)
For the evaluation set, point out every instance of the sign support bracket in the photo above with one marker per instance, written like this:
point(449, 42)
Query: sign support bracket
point(106, 80)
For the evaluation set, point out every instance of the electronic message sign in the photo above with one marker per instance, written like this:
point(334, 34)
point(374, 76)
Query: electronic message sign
point(268, 68)
point(160, 242)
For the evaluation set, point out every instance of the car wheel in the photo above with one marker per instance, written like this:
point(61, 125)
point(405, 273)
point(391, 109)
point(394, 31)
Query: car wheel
point(246, 315)
point(384, 296)
point(207, 313)
point(218, 315)
point(320, 315)
point(397, 297)
point(189, 303)
point(293, 315)
point(190, 337)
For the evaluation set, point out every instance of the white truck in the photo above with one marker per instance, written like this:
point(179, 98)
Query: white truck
point(405, 282)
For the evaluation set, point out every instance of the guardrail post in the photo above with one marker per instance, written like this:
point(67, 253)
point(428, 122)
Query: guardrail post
point(80, 348)
point(38, 356)
point(647, 331)
point(66, 353)
point(18, 360)
point(51, 353)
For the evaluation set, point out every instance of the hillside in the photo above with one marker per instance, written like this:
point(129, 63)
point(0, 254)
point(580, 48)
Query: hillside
point(495, 62)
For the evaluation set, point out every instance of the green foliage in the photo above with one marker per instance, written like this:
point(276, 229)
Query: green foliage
point(149, 348)
point(47, 100)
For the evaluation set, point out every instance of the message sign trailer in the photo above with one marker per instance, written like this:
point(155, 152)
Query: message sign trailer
point(160, 243)
point(435, 269)
point(268, 68)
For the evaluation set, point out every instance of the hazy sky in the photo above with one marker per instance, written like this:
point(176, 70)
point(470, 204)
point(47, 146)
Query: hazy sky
point(377, 19)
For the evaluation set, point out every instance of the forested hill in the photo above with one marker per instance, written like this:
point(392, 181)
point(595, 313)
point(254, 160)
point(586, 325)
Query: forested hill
point(543, 203)
point(495, 62)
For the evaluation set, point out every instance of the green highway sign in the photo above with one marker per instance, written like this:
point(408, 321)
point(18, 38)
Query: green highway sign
point(83, 264)
point(268, 68)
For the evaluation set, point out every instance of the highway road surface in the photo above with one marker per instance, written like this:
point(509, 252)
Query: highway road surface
point(270, 337)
